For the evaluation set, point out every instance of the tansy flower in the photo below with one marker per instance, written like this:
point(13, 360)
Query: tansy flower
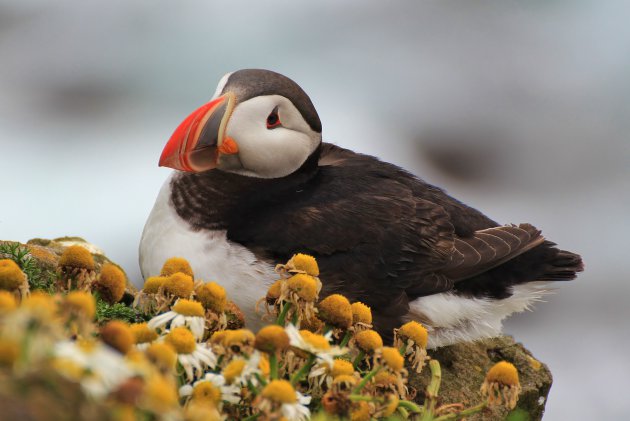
point(12, 278)
point(179, 285)
point(501, 385)
point(176, 264)
point(76, 268)
point(301, 290)
point(192, 356)
point(336, 311)
point(211, 388)
point(279, 398)
point(111, 283)
point(118, 335)
point(184, 312)
point(412, 338)
point(361, 317)
point(143, 335)
point(162, 355)
point(214, 299)
point(390, 360)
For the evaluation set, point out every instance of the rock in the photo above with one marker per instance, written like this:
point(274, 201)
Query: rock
point(465, 365)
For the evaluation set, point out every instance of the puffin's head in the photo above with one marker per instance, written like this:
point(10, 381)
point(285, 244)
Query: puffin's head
point(259, 124)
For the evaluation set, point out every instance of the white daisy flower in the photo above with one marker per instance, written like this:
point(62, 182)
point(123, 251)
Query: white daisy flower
point(184, 312)
point(194, 357)
point(280, 398)
point(240, 371)
point(318, 345)
point(212, 387)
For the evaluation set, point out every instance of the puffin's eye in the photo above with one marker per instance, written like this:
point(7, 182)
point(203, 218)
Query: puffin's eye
point(273, 120)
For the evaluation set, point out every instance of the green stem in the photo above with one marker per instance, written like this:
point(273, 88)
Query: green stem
point(358, 359)
point(464, 413)
point(273, 366)
point(409, 406)
point(346, 339)
point(366, 379)
point(283, 313)
point(432, 391)
point(295, 379)
point(356, 398)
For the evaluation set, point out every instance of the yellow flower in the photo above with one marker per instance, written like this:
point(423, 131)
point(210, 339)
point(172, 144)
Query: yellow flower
point(77, 257)
point(391, 358)
point(40, 305)
point(185, 312)
point(194, 357)
point(111, 283)
point(163, 356)
point(11, 276)
point(80, 302)
point(7, 302)
point(153, 284)
point(361, 315)
point(361, 412)
point(182, 340)
point(200, 412)
point(280, 391)
point(501, 385)
point(271, 339)
point(414, 331)
point(280, 399)
point(233, 370)
point(413, 337)
point(159, 395)
point(239, 341)
point(179, 285)
point(9, 352)
point(303, 263)
point(304, 286)
point(206, 392)
point(368, 341)
point(118, 335)
point(342, 368)
point(175, 265)
point(274, 291)
point(212, 296)
point(336, 311)
point(142, 333)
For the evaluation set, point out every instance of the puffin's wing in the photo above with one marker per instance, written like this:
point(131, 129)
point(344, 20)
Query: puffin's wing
point(489, 248)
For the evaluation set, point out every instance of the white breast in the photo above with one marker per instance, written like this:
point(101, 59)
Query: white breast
point(212, 257)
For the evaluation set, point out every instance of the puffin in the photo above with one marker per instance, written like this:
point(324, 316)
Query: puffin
point(254, 184)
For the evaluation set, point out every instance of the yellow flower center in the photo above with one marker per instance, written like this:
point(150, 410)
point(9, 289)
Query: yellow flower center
point(7, 301)
point(315, 340)
point(11, 276)
point(77, 257)
point(41, 304)
point(392, 358)
point(207, 392)
point(176, 264)
point(179, 285)
point(361, 313)
point(238, 337)
point(188, 308)
point(212, 296)
point(305, 286)
point(142, 333)
point(414, 331)
point(304, 262)
point(342, 368)
point(218, 337)
point(392, 404)
point(162, 355)
point(384, 379)
point(9, 352)
point(118, 335)
point(280, 391)
point(368, 340)
point(336, 310)
point(503, 372)
point(271, 338)
point(264, 366)
point(361, 412)
point(273, 293)
point(182, 340)
point(160, 394)
point(81, 302)
point(233, 370)
point(344, 382)
point(153, 284)
point(111, 283)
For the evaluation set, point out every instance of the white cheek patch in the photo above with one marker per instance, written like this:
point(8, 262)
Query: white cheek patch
point(271, 153)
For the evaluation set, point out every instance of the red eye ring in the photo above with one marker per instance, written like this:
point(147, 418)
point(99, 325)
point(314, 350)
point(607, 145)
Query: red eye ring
point(273, 120)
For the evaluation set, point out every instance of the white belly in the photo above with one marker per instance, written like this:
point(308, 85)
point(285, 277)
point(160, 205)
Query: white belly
point(212, 257)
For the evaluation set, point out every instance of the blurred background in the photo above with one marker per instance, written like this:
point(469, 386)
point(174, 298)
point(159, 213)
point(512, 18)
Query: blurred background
point(521, 109)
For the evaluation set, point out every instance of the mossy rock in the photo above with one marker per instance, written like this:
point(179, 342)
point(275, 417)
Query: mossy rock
point(465, 365)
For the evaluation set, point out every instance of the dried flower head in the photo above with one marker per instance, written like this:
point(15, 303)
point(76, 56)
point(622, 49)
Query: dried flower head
point(153, 284)
point(212, 296)
point(361, 316)
point(368, 341)
point(159, 395)
point(279, 399)
point(111, 283)
point(413, 338)
point(77, 257)
point(271, 339)
point(118, 335)
point(76, 268)
point(11, 276)
point(336, 311)
point(342, 368)
point(179, 285)
point(175, 265)
point(390, 361)
point(233, 369)
point(143, 334)
point(305, 287)
point(501, 385)
point(162, 355)
point(80, 303)
point(303, 263)
point(239, 341)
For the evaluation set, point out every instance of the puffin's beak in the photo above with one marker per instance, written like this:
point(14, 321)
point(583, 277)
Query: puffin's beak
point(197, 142)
